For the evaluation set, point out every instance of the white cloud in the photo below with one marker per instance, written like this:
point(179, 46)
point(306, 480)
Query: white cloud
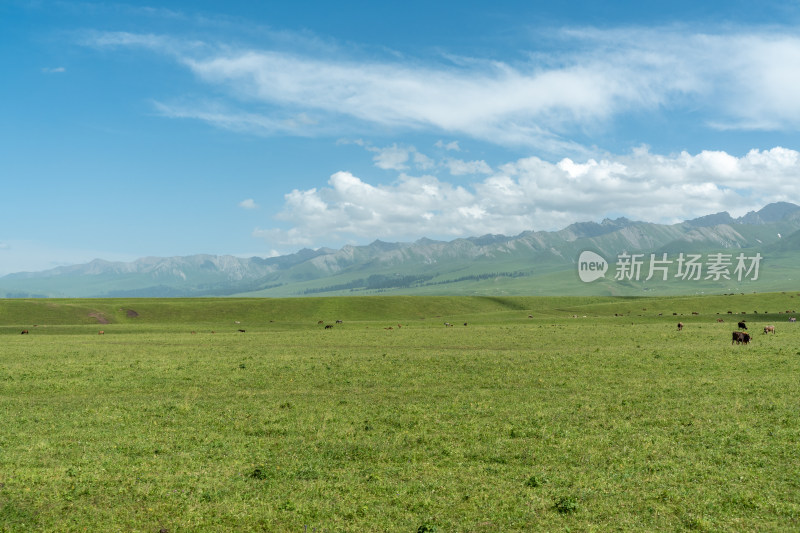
point(423, 162)
point(458, 167)
point(453, 145)
point(743, 80)
point(53, 70)
point(396, 157)
point(248, 204)
point(532, 194)
point(391, 158)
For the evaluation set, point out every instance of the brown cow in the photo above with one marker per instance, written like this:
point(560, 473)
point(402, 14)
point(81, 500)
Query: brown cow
point(24, 332)
point(769, 329)
point(740, 337)
point(101, 332)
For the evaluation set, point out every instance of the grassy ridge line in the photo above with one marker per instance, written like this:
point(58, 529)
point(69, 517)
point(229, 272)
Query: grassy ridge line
point(253, 311)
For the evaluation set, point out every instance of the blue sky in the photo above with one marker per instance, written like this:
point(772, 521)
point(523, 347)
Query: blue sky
point(259, 128)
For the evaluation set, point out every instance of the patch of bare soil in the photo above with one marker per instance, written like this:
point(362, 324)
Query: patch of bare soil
point(131, 313)
point(100, 317)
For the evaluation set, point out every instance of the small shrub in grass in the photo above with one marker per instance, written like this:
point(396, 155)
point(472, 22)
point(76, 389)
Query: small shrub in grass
point(426, 527)
point(566, 504)
point(288, 505)
point(259, 473)
point(535, 481)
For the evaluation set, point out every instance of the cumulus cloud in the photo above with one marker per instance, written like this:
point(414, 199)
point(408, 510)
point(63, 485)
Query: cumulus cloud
point(742, 80)
point(533, 194)
point(248, 204)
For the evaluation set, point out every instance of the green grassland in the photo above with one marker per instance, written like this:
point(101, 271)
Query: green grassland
point(529, 414)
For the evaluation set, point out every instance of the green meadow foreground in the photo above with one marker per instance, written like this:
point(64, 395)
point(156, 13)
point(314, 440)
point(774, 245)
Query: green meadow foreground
point(539, 414)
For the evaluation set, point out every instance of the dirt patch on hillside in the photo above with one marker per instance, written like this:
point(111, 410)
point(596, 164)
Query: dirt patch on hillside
point(131, 313)
point(100, 317)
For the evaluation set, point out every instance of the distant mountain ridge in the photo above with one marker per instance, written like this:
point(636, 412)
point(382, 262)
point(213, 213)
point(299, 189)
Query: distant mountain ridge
point(425, 265)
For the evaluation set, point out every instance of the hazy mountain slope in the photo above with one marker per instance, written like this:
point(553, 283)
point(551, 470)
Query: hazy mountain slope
point(525, 262)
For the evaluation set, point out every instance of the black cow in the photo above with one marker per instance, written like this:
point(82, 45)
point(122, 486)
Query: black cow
point(741, 325)
point(680, 326)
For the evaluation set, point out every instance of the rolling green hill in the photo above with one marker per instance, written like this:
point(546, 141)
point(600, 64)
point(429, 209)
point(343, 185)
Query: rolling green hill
point(260, 313)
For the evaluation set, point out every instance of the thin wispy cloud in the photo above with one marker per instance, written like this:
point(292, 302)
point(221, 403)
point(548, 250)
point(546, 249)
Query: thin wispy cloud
point(53, 70)
point(744, 81)
point(458, 167)
point(451, 146)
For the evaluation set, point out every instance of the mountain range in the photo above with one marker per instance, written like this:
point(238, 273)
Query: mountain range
point(533, 262)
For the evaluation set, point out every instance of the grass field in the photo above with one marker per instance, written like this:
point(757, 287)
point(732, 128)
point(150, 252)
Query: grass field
point(539, 414)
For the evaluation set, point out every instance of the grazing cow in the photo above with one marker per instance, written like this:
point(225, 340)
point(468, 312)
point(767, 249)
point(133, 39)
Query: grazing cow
point(720, 320)
point(241, 331)
point(24, 332)
point(320, 322)
point(328, 326)
point(739, 337)
point(101, 332)
point(448, 325)
point(792, 319)
point(695, 313)
point(741, 325)
point(680, 326)
point(769, 329)
point(338, 321)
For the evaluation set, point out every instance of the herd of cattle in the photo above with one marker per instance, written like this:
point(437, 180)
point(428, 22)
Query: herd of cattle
point(737, 337)
point(740, 337)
